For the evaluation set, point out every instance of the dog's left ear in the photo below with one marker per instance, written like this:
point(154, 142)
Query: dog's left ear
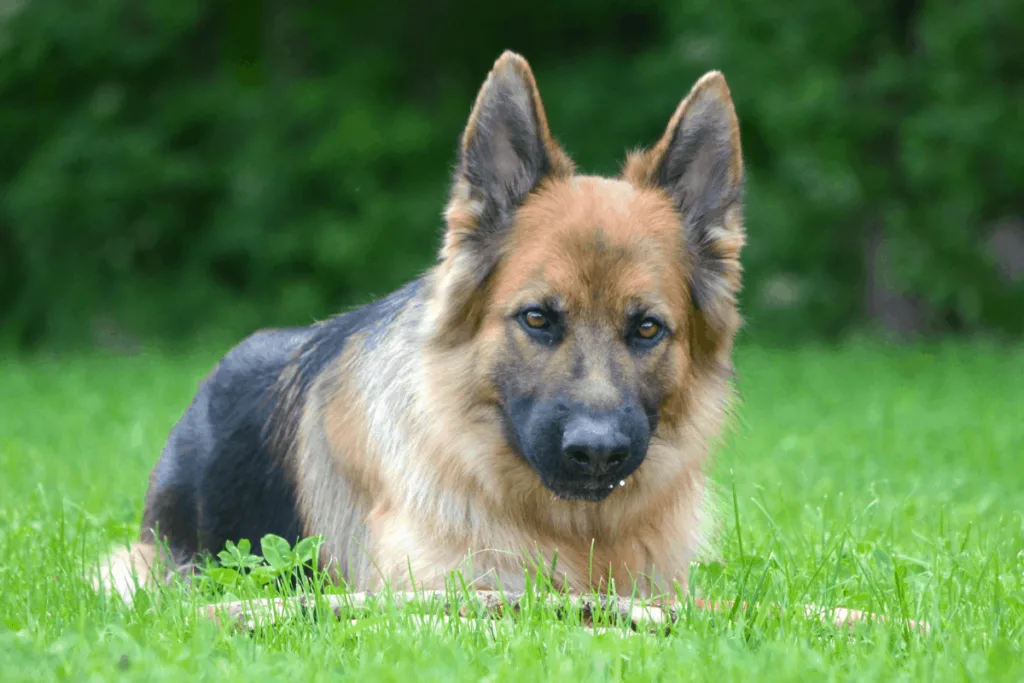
point(698, 164)
point(505, 152)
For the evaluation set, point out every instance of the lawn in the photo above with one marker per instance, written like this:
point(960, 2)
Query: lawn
point(870, 477)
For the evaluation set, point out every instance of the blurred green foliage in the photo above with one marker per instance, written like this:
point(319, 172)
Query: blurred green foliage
point(175, 166)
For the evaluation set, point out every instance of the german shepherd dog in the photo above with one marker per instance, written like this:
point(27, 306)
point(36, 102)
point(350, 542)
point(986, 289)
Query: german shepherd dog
point(551, 386)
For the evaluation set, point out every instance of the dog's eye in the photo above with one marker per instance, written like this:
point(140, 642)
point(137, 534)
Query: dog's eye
point(542, 324)
point(647, 332)
point(535, 319)
point(649, 329)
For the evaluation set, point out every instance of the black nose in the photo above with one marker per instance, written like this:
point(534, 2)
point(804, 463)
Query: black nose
point(597, 446)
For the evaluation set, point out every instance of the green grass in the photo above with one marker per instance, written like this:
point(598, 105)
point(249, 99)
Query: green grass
point(868, 477)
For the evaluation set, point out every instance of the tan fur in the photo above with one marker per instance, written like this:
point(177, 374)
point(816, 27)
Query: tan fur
point(399, 455)
point(127, 569)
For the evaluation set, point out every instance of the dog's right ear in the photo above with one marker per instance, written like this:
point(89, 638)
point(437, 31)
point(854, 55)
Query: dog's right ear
point(505, 152)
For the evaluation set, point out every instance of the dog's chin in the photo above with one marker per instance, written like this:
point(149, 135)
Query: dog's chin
point(584, 494)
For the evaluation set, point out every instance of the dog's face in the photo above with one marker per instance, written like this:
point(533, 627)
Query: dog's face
point(591, 301)
point(589, 321)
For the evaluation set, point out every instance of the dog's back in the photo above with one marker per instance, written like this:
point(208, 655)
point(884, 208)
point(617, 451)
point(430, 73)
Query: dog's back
point(219, 477)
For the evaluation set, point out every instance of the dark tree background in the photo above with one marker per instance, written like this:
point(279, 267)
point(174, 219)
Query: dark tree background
point(172, 168)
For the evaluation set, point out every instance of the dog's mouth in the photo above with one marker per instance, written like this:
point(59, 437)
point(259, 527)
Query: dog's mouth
point(593, 491)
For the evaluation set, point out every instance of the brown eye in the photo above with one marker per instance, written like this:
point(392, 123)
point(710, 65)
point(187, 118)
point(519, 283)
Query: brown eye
point(649, 329)
point(535, 319)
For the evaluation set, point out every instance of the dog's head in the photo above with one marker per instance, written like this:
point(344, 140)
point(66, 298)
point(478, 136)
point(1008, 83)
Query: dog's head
point(593, 306)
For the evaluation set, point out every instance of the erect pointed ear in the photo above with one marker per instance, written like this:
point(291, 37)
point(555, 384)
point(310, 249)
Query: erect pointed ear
point(698, 163)
point(505, 152)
